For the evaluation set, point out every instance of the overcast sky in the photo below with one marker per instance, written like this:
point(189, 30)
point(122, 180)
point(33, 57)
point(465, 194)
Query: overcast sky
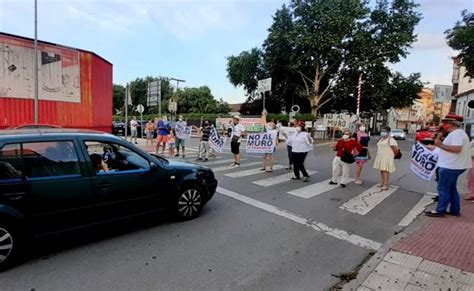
point(190, 39)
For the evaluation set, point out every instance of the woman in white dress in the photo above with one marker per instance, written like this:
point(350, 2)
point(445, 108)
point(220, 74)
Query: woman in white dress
point(384, 161)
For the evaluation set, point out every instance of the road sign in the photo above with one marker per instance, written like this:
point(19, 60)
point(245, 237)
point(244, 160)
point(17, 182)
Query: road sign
point(295, 108)
point(154, 93)
point(172, 106)
point(265, 85)
point(140, 108)
point(470, 104)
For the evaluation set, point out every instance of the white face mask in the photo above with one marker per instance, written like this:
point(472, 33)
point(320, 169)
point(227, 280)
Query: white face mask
point(383, 134)
point(298, 129)
point(180, 119)
point(345, 136)
point(362, 128)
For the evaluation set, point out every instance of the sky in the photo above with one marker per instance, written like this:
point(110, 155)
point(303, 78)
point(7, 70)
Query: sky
point(191, 39)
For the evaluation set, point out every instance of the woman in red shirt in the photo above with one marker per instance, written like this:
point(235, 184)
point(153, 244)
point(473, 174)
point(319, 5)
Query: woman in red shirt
point(345, 146)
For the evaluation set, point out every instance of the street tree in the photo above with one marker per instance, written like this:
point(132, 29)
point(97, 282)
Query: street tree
point(461, 38)
point(316, 49)
point(118, 98)
point(199, 100)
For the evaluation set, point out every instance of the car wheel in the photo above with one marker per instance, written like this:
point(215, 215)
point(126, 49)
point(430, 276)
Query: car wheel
point(189, 203)
point(9, 244)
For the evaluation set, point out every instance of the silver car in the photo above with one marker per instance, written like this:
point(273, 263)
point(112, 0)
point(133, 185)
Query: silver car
point(398, 134)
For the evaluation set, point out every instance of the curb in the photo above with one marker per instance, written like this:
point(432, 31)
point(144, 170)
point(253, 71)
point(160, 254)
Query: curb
point(369, 267)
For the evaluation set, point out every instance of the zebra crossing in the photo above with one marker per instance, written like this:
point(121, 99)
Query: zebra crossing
point(361, 204)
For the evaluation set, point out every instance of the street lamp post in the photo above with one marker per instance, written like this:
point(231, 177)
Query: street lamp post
point(35, 73)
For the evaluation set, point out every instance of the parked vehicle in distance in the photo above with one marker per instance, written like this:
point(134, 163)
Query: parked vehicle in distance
point(33, 126)
point(56, 180)
point(398, 133)
point(427, 135)
point(118, 128)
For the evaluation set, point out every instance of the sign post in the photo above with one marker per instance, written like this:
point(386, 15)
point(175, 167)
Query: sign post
point(127, 97)
point(294, 110)
point(264, 86)
point(140, 110)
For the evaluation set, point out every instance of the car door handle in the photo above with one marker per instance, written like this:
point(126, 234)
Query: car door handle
point(14, 196)
point(104, 186)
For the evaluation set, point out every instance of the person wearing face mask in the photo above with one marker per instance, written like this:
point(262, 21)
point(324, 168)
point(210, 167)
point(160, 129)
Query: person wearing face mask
point(363, 157)
point(302, 143)
point(204, 148)
point(179, 141)
point(384, 161)
point(267, 159)
point(346, 145)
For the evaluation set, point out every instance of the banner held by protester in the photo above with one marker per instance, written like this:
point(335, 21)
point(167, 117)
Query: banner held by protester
point(215, 142)
point(183, 132)
point(423, 162)
point(261, 143)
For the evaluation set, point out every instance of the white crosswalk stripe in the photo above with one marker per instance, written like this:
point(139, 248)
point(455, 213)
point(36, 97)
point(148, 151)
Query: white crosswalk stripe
point(230, 167)
point(250, 172)
point(315, 189)
point(416, 210)
point(368, 200)
point(278, 179)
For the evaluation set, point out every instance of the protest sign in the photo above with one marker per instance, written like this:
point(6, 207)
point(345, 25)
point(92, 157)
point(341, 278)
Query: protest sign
point(215, 142)
point(183, 132)
point(423, 162)
point(337, 120)
point(261, 143)
point(250, 124)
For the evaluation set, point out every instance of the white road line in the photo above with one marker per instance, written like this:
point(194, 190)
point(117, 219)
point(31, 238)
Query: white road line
point(315, 189)
point(318, 226)
point(225, 168)
point(216, 162)
point(416, 210)
point(367, 200)
point(278, 179)
point(250, 172)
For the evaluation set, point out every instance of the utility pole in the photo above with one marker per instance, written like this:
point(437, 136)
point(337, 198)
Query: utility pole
point(36, 102)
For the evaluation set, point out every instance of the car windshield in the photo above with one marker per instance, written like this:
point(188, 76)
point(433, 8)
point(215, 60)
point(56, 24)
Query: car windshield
point(398, 131)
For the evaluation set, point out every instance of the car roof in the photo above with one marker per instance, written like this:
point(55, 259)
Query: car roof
point(32, 132)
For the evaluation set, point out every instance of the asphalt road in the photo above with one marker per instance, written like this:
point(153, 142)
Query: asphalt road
point(253, 235)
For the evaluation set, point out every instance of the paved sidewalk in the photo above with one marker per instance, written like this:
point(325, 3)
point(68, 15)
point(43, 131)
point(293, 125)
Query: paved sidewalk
point(436, 254)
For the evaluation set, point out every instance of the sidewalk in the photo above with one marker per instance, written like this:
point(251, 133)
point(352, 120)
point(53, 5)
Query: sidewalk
point(435, 254)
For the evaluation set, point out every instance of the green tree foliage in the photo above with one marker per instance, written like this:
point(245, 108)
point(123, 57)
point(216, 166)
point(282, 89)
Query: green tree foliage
point(199, 100)
point(461, 38)
point(118, 98)
point(316, 50)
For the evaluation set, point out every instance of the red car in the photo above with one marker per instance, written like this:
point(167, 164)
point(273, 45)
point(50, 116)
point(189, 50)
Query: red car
point(427, 135)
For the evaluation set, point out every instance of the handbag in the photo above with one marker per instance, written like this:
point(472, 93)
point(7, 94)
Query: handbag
point(397, 154)
point(347, 157)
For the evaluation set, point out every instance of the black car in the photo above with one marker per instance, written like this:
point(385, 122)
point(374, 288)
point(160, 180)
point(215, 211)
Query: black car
point(118, 128)
point(53, 180)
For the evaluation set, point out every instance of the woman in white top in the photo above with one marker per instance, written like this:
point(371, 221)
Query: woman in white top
point(301, 143)
point(384, 161)
point(267, 159)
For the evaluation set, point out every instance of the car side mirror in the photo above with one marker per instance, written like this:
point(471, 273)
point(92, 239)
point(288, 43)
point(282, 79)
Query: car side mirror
point(153, 166)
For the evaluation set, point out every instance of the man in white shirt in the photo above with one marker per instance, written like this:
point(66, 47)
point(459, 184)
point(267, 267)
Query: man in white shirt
point(454, 157)
point(133, 129)
point(237, 132)
point(179, 141)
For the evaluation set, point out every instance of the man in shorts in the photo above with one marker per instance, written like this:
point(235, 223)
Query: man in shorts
point(134, 129)
point(237, 132)
point(163, 132)
point(180, 141)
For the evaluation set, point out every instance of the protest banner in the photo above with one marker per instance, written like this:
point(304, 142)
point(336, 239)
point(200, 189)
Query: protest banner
point(261, 143)
point(215, 142)
point(341, 120)
point(183, 132)
point(250, 124)
point(423, 162)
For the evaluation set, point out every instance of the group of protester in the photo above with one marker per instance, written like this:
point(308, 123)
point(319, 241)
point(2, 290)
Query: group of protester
point(452, 146)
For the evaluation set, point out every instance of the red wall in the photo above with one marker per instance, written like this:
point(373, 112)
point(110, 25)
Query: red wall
point(93, 112)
